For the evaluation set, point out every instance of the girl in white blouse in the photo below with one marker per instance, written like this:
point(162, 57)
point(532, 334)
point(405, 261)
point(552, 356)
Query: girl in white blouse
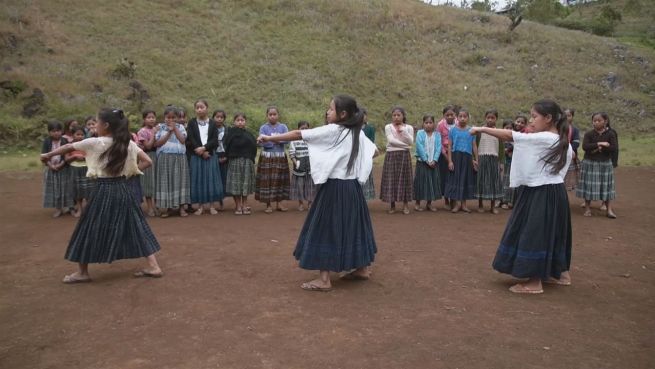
point(536, 244)
point(112, 225)
point(337, 235)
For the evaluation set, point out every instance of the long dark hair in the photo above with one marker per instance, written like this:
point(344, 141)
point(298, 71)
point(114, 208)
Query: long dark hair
point(353, 120)
point(120, 133)
point(556, 155)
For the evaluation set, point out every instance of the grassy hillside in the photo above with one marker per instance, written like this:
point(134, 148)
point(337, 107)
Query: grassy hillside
point(248, 54)
point(636, 25)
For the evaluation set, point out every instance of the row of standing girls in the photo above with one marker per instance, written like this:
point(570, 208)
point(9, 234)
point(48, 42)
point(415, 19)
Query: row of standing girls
point(450, 163)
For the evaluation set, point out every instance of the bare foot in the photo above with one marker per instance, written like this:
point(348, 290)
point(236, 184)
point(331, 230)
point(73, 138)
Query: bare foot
point(57, 213)
point(197, 212)
point(466, 210)
point(213, 211)
point(455, 209)
point(587, 213)
point(526, 289)
point(183, 213)
point(405, 210)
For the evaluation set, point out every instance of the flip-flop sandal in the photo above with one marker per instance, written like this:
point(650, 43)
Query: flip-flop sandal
point(519, 288)
point(308, 286)
point(247, 212)
point(282, 209)
point(69, 279)
point(146, 274)
point(466, 210)
point(355, 277)
point(587, 213)
point(557, 282)
point(238, 212)
point(268, 210)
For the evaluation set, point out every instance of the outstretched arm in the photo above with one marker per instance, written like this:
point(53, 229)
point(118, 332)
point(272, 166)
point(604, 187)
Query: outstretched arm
point(59, 151)
point(289, 136)
point(502, 134)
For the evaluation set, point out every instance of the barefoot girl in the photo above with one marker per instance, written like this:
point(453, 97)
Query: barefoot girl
point(57, 186)
point(273, 179)
point(206, 183)
point(537, 241)
point(146, 142)
point(172, 167)
point(426, 181)
point(490, 153)
point(241, 149)
point(337, 235)
point(597, 174)
point(113, 226)
point(302, 185)
point(397, 182)
point(462, 163)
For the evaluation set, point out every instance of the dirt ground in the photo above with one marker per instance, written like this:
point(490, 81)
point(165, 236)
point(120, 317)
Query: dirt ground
point(231, 298)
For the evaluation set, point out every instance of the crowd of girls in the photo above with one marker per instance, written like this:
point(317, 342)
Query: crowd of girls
point(194, 159)
point(178, 166)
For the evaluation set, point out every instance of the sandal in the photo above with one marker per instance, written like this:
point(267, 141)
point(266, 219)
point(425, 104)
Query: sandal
point(587, 213)
point(466, 210)
point(246, 211)
point(75, 278)
point(418, 208)
point(238, 212)
point(311, 286)
point(405, 211)
point(146, 273)
point(197, 212)
point(520, 288)
point(213, 211)
point(611, 215)
point(281, 208)
point(391, 211)
point(557, 282)
point(268, 210)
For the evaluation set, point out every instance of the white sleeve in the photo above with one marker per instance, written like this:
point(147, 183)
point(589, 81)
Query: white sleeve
point(86, 145)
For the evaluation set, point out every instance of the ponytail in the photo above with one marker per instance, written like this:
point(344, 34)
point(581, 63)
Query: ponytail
point(556, 155)
point(117, 152)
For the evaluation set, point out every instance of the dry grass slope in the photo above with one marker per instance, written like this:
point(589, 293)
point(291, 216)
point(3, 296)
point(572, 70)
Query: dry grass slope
point(248, 54)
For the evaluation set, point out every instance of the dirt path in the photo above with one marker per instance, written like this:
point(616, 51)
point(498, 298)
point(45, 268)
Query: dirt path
point(231, 296)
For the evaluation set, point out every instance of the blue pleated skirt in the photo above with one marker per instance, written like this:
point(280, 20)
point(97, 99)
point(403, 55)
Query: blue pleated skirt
point(206, 183)
point(112, 226)
point(461, 182)
point(537, 239)
point(337, 234)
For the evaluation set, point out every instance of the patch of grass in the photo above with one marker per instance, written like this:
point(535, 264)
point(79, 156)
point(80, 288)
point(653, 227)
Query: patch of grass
point(14, 159)
point(637, 151)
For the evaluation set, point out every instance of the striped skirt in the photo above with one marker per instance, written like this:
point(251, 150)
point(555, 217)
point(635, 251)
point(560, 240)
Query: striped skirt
point(508, 192)
point(149, 177)
point(369, 187)
point(596, 181)
point(397, 183)
point(172, 188)
point(206, 183)
point(572, 177)
point(58, 188)
point(240, 177)
point(461, 182)
point(272, 180)
point(337, 234)
point(82, 185)
point(112, 226)
point(489, 183)
point(302, 188)
point(537, 239)
point(427, 185)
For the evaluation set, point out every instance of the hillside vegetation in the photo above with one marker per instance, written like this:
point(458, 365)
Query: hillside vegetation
point(245, 55)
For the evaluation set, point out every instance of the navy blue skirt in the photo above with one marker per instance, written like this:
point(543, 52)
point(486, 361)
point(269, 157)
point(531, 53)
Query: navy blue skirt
point(537, 239)
point(206, 182)
point(112, 226)
point(337, 234)
point(461, 182)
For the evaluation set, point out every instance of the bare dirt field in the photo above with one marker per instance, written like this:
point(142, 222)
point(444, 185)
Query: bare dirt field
point(231, 298)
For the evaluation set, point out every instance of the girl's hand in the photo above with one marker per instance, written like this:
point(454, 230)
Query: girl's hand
point(432, 164)
point(451, 166)
point(475, 165)
point(474, 131)
point(205, 155)
point(44, 158)
point(199, 150)
point(171, 125)
point(262, 139)
point(604, 144)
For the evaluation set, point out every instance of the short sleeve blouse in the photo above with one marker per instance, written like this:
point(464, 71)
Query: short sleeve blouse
point(329, 150)
point(528, 166)
point(95, 146)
